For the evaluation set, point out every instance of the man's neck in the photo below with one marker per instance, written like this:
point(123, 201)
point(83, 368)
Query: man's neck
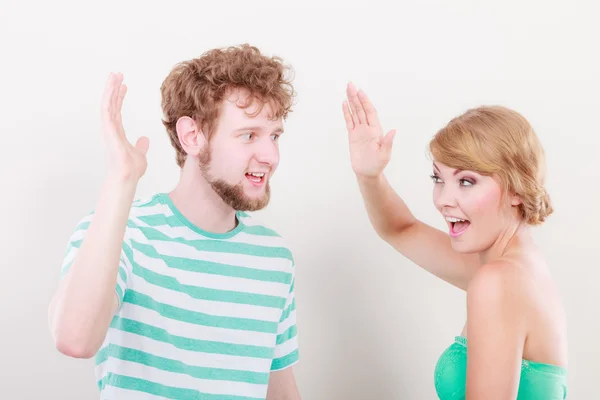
point(197, 201)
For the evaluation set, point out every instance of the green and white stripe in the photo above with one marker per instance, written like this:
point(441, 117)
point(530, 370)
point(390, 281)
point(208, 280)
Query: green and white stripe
point(202, 315)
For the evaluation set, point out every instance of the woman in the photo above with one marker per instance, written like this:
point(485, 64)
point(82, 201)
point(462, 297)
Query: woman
point(488, 175)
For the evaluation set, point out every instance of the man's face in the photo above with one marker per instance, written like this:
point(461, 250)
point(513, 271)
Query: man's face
point(243, 154)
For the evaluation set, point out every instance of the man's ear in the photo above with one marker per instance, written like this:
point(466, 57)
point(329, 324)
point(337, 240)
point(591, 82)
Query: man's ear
point(191, 138)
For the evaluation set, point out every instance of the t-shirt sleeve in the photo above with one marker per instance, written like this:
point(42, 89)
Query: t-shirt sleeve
point(125, 261)
point(286, 348)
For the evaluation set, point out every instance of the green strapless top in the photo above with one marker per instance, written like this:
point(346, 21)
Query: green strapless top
point(538, 381)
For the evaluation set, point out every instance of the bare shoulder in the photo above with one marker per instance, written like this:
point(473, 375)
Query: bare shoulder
point(498, 274)
point(517, 296)
point(503, 282)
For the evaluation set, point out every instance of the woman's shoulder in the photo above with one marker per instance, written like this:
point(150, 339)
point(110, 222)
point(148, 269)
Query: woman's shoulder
point(504, 279)
point(501, 271)
point(516, 268)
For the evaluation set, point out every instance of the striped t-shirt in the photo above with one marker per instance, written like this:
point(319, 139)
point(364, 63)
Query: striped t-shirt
point(201, 315)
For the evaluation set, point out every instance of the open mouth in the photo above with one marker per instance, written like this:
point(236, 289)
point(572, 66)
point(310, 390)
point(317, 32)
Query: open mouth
point(256, 178)
point(458, 226)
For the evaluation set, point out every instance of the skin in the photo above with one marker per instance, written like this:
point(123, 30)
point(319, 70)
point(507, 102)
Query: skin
point(240, 144)
point(513, 307)
point(85, 302)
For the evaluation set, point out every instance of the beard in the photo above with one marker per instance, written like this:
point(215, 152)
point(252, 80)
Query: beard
point(232, 195)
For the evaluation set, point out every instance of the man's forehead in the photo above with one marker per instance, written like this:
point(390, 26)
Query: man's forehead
point(240, 103)
point(238, 96)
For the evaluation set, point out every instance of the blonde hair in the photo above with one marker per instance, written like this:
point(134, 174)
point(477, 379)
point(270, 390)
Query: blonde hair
point(497, 141)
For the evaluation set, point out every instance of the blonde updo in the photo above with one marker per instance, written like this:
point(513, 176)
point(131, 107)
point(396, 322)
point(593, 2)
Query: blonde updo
point(497, 141)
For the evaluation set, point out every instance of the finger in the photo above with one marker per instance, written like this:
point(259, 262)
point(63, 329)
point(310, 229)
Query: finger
point(351, 94)
point(348, 116)
point(118, 107)
point(120, 97)
point(370, 112)
point(357, 110)
point(142, 144)
point(106, 98)
point(353, 115)
point(115, 93)
point(388, 140)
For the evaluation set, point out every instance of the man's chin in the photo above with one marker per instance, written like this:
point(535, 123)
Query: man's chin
point(238, 199)
point(253, 203)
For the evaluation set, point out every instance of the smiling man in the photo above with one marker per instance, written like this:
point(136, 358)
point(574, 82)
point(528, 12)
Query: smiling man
point(184, 295)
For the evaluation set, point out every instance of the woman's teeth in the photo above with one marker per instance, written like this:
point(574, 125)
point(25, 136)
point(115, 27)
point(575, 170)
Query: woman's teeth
point(452, 219)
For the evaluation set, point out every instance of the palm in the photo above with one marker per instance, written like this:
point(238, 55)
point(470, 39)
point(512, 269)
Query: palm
point(125, 160)
point(369, 149)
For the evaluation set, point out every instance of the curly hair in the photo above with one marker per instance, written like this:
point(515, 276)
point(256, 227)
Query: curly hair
point(494, 140)
point(196, 88)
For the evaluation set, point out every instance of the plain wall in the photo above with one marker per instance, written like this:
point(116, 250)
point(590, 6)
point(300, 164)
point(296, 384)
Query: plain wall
point(371, 324)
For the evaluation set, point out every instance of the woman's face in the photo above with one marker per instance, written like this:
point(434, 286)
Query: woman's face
point(473, 207)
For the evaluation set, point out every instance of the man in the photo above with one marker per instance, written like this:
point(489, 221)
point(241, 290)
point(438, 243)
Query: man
point(184, 295)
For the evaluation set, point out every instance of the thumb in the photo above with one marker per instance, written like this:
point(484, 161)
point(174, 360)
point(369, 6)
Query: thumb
point(388, 139)
point(142, 144)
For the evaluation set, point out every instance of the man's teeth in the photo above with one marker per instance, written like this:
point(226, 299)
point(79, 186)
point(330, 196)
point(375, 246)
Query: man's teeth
point(256, 176)
point(452, 219)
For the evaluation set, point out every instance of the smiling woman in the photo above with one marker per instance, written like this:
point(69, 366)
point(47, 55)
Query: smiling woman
point(489, 186)
point(497, 141)
point(489, 158)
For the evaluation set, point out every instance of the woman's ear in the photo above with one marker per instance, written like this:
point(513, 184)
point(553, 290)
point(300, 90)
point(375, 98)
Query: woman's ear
point(515, 200)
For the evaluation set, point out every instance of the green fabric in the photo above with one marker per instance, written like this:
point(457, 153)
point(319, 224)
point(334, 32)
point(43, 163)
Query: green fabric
point(538, 381)
point(201, 315)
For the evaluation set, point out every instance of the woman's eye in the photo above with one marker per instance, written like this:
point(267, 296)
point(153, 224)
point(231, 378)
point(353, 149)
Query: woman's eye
point(435, 178)
point(466, 182)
